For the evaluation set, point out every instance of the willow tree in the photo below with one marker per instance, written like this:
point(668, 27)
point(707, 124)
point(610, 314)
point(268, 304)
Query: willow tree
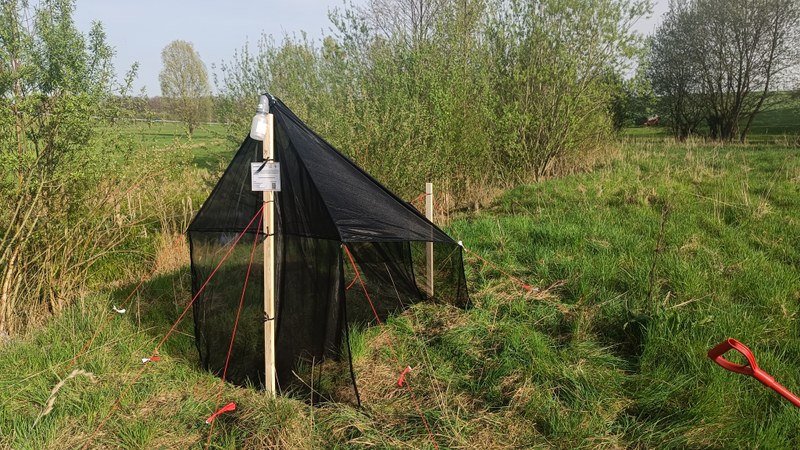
point(735, 54)
point(553, 59)
point(184, 83)
point(56, 83)
point(674, 77)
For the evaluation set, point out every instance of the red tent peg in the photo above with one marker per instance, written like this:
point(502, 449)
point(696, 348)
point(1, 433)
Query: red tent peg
point(229, 407)
point(750, 369)
point(402, 378)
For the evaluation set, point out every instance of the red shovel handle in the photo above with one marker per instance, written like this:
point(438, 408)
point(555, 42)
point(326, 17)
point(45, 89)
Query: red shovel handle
point(751, 368)
point(732, 344)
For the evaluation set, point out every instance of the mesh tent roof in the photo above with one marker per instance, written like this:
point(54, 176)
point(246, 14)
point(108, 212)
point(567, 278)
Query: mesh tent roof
point(326, 201)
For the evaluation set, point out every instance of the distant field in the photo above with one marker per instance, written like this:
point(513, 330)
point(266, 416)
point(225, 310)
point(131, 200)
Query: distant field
point(645, 263)
point(782, 120)
point(208, 144)
point(776, 124)
point(165, 133)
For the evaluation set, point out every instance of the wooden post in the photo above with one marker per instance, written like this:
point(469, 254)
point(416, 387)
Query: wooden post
point(429, 245)
point(269, 268)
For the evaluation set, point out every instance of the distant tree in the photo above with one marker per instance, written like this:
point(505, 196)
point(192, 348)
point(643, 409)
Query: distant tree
point(554, 58)
point(631, 101)
point(725, 57)
point(184, 83)
point(618, 101)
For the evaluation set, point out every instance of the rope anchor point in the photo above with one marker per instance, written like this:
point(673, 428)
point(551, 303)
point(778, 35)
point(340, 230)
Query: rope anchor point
point(152, 358)
point(402, 378)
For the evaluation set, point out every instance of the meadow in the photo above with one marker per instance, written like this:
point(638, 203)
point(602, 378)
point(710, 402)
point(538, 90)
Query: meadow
point(643, 264)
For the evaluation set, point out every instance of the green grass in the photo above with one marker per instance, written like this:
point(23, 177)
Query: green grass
point(729, 267)
point(611, 354)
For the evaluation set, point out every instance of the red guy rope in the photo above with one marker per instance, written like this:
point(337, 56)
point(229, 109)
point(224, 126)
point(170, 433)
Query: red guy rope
point(421, 196)
point(155, 352)
point(227, 408)
point(402, 378)
point(361, 281)
point(105, 323)
point(351, 284)
point(394, 352)
point(230, 250)
point(233, 337)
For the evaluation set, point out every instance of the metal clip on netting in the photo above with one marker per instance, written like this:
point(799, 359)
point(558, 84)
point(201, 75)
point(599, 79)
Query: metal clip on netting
point(750, 369)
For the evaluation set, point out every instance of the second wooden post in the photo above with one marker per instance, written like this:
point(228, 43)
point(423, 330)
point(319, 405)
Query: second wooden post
point(429, 245)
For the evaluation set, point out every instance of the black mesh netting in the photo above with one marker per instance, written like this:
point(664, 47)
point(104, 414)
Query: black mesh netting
point(326, 203)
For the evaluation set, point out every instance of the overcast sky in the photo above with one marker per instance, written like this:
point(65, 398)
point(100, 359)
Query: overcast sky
point(139, 30)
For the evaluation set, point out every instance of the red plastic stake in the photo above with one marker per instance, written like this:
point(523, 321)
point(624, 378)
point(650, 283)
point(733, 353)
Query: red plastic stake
point(751, 369)
point(229, 407)
point(403, 376)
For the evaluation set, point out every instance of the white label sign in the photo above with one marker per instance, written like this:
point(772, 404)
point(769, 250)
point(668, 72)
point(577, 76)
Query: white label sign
point(265, 176)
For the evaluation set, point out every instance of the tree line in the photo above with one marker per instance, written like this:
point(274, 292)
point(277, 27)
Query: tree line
point(474, 95)
point(710, 68)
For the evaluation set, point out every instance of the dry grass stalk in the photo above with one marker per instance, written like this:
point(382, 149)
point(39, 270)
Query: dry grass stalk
point(172, 253)
point(52, 399)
